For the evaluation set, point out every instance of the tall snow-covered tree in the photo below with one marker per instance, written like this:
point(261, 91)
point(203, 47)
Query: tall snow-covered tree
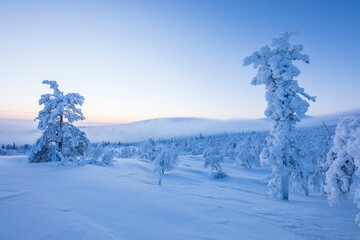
point(286, 105)
point(344, 162)
point(60, 140)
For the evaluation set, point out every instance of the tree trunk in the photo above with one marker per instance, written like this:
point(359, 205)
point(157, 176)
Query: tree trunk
point(305, 187)
point(284, 191)
point(159, 180)
point(60, 130)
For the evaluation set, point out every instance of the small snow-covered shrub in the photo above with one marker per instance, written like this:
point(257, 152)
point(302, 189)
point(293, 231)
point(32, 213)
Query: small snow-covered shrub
point(95, 153)
point(166, 161)
point(213, 159)
point(107, 158)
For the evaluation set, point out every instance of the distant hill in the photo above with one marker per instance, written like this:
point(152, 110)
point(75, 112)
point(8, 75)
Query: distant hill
point(169, 127)
point(25, 131)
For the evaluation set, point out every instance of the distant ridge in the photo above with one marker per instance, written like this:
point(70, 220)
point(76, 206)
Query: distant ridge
point(25, 131)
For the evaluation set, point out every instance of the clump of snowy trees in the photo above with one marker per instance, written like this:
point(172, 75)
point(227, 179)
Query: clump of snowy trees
point(127, 151)
point(13, 149)
point(60, 140)
point(344, 161)
point(314, 143)
point(148, 150)
point(275, 70)
point(100, 155)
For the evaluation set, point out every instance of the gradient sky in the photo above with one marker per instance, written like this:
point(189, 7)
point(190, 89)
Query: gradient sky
point(135, 60)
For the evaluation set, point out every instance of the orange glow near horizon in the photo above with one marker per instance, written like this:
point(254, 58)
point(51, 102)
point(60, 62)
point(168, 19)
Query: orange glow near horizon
point(109, 119)
point(92, 118)
point(88, 117)
point(18, 115)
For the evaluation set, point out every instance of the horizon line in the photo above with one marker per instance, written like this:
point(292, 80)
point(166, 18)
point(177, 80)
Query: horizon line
point(180, 117)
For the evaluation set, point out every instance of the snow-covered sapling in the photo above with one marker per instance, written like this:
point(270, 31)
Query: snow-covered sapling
point(60, 140)
point(165, 161)
point(285, 107)
point(213, 159)
point(344, 162)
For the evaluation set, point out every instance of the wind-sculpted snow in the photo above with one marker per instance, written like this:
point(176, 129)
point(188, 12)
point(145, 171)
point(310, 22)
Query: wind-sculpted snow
point(44, 201)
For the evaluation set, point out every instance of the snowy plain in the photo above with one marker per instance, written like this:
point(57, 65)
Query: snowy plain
point(48, 201)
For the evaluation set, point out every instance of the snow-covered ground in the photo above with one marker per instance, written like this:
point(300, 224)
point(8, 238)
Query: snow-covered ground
point(47, 201)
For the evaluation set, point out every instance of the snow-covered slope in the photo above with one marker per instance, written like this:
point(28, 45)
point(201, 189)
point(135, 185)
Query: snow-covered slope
point(46, 201)
point(171, 127)
point(18, 131)
point(24, 131)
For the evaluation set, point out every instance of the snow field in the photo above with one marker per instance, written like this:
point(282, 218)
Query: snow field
point(47, 201)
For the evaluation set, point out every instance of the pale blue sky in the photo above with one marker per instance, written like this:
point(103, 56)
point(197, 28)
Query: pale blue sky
point(135, 60)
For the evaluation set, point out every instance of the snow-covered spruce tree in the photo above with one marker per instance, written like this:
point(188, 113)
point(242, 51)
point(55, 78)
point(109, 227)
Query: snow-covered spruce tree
point(165, 161)
point(213, 159)
point(344, 162)
point(285, 106)
point(60, 140)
